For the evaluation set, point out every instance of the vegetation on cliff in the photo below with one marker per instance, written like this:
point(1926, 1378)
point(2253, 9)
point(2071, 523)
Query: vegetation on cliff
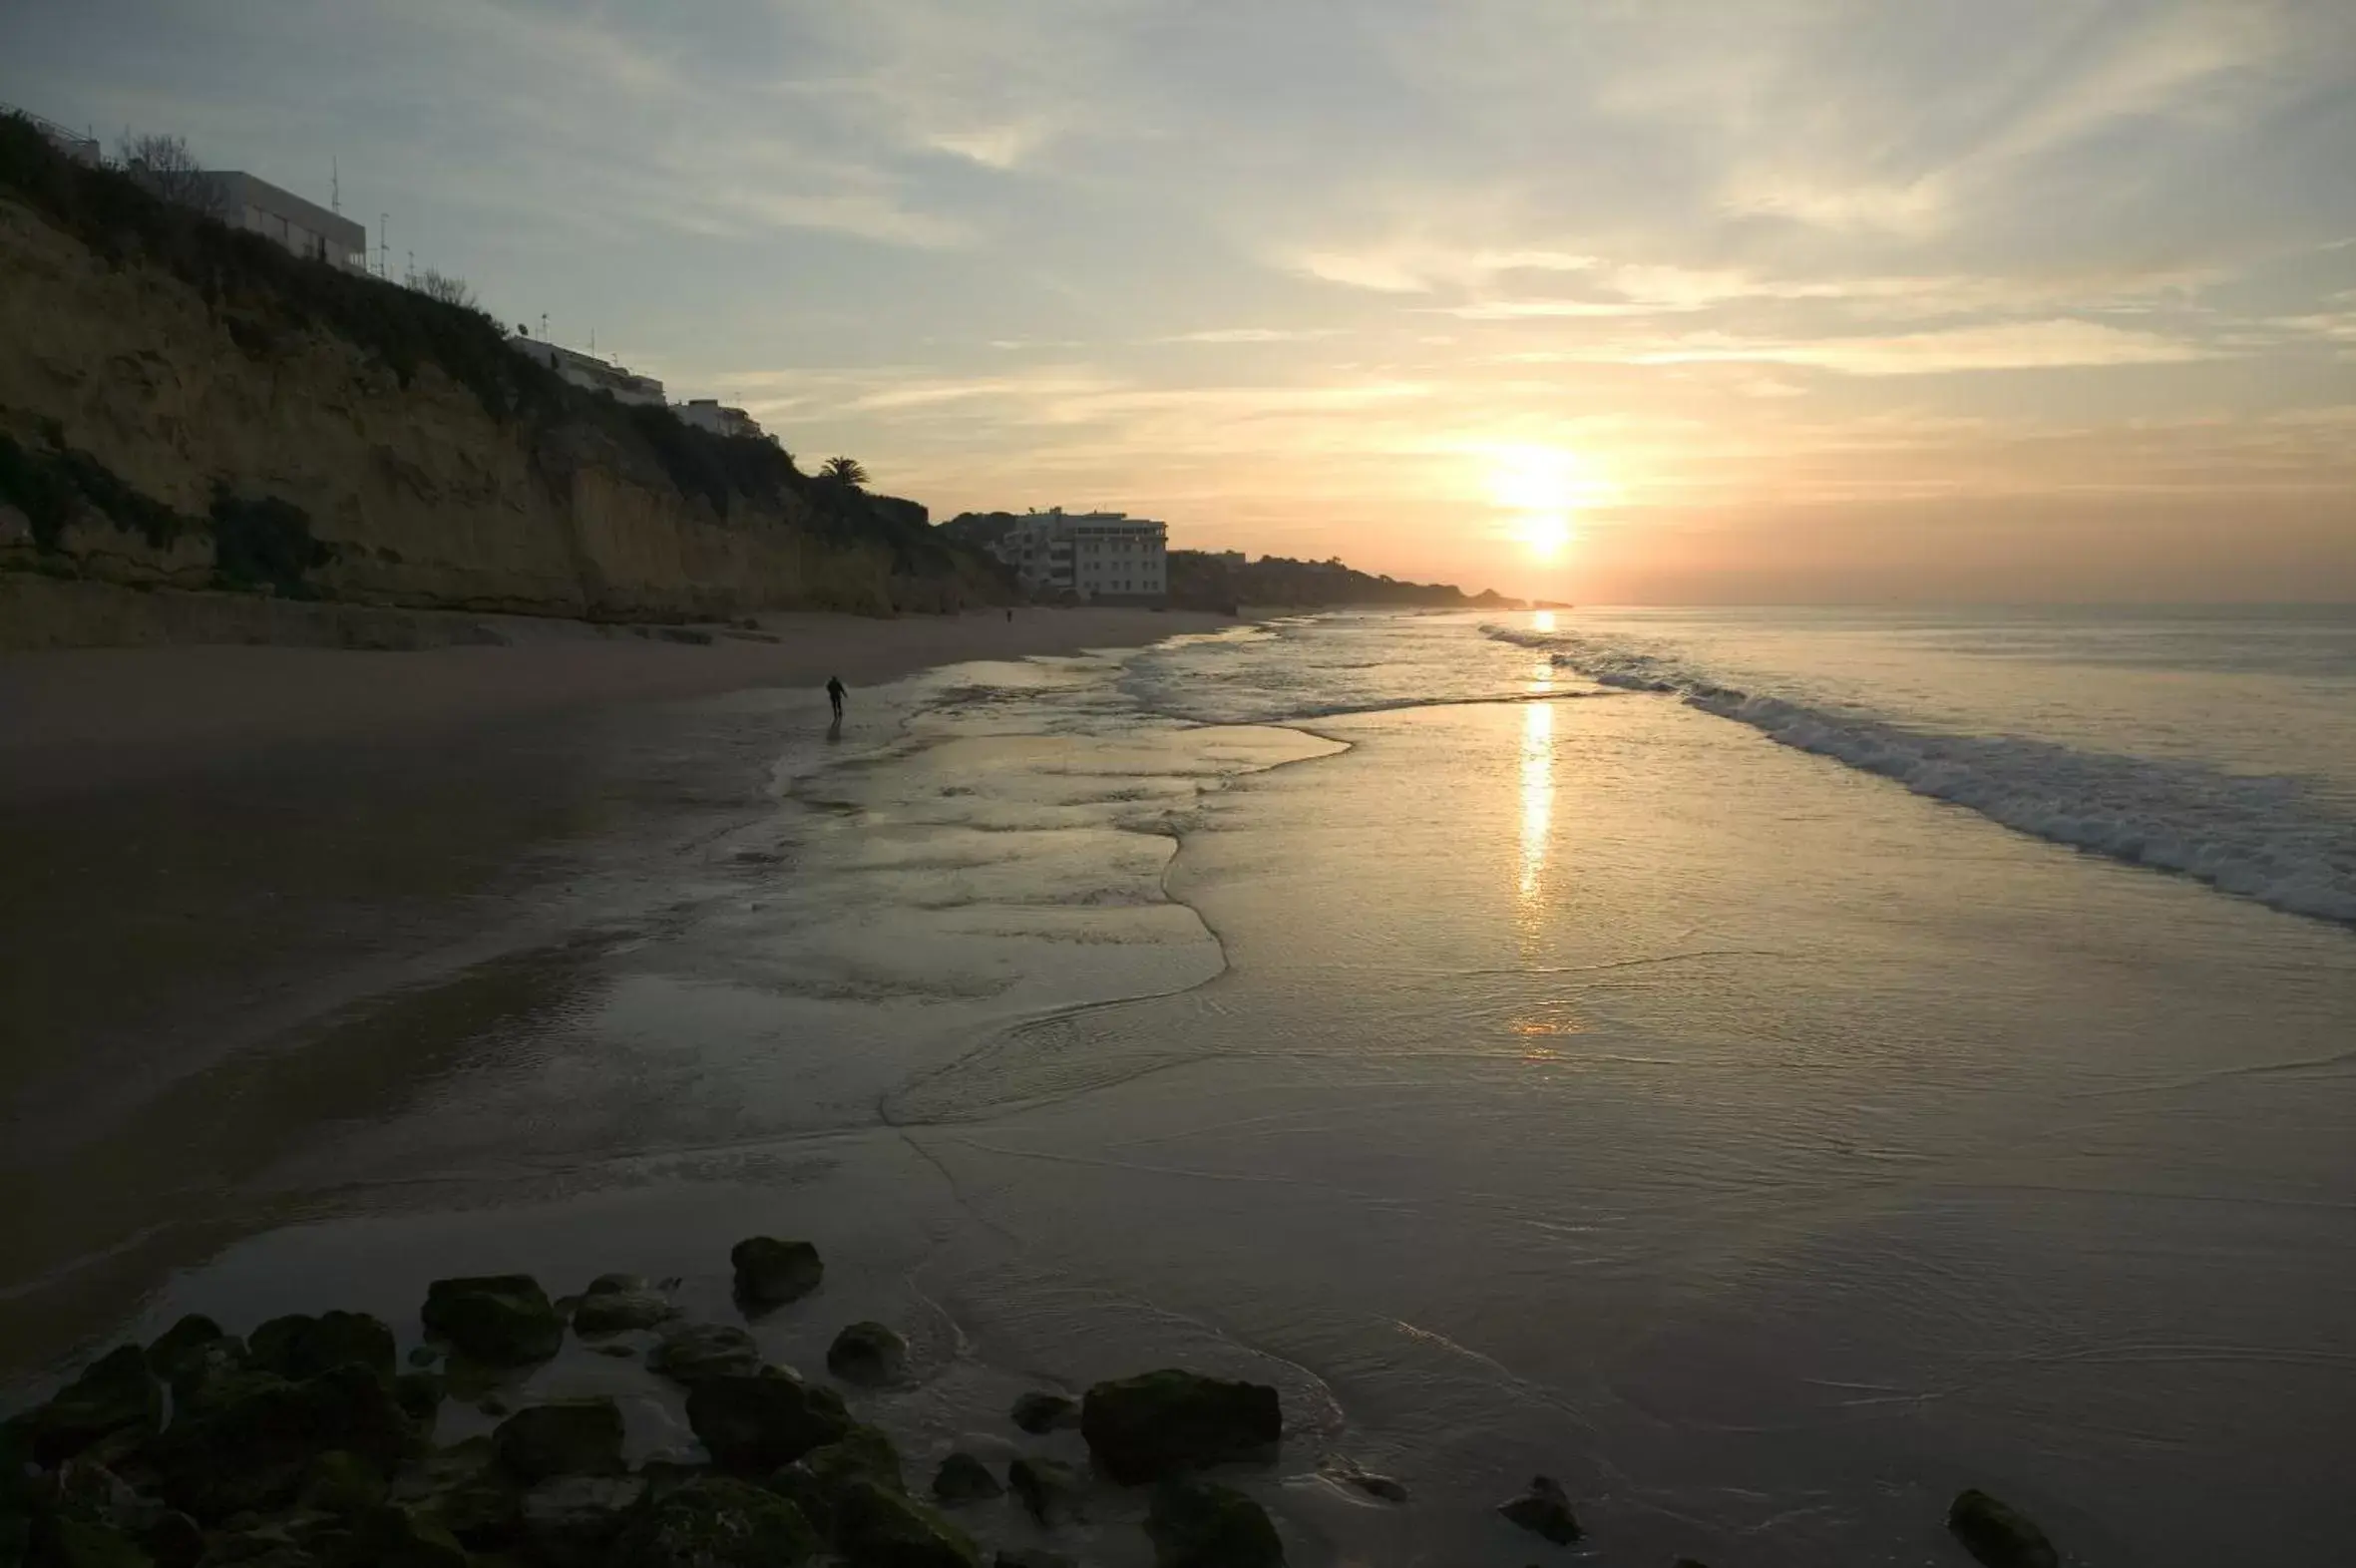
point(268, 302)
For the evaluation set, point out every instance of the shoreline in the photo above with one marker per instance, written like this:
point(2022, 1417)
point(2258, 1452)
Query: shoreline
point(88, 720)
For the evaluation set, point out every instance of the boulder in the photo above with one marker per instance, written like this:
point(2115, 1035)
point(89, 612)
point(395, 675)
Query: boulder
point(879, 1528)
point(963, 1479)
point(394, 1537)
point(1166, 1423)
point(341, 1483)
point(571, 1521)
point(298, 1346)
point(771, 1273)
point(173, 1540)
point(864, 1453)
point(567, 1437)
point(502, 1319)
point(1374, 1485)
point(1544, 1510)
point(1996, 1535)
point(1033, 1558)
point(1196, 1524)
point(1039, 1413)
point(1050, 1490)
point(618, 1304)
point(179, 1344)
point(115, 1403)
point(715, 1522)
point(867, 1354)
point(77, 1543)
point(753, 1422)
point(693, 1352)
point(419, 1394)
point(253, 1450)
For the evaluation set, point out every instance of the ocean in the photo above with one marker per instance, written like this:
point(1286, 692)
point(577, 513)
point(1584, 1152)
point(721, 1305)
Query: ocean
point(1770, 1070)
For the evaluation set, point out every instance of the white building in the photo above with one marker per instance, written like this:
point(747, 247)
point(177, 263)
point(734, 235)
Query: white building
point(76, 146)
point(708, 413)
point(1095, 555)
point(307, 230)
point(591, 373)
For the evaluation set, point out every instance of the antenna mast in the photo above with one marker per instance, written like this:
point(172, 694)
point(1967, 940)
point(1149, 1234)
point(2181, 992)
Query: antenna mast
point(334, 186)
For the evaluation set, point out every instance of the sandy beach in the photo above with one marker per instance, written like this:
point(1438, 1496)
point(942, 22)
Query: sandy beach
point(81, 719)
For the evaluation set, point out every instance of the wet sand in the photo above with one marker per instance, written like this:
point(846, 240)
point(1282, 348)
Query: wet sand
point(252, 896)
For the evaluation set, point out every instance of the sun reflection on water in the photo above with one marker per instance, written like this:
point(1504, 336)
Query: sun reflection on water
point(1537, 800)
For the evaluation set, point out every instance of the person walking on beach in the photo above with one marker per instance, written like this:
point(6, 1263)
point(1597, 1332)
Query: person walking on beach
point(834, 694)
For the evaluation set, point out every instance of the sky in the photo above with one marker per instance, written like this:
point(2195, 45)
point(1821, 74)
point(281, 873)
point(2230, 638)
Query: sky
point(1599, 300)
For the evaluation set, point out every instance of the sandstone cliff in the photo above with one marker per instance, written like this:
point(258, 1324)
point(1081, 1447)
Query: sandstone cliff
point(187, 408)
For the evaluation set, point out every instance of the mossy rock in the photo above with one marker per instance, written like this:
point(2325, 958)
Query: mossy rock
point(342, 1483)
point(255, 1450)
point(1049, 1488)
point(758, 1421)
point(1166, 1423)
point(1198, 1524)
point(867, 1353)
point(78, 1543)
point(421, 1394)
point(1033, 1557)
point(1997, 1535)
point(503, 1319)
point(567, 1437)
point(179, 1344)
point(620, 1304)
point(716, 1522)
point(396, 1537)
point(693, 1352)
point(864, 1453)
point(115, 1403)
point(875, 1527)
point(963, 1479)
point(770, 1273)
point(571, 1521)
point(298, 1346)
point(1545, 1511)
point(1041, 1413)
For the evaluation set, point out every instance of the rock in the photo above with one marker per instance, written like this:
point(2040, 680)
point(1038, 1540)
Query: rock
point(419, 1394)
point(76, 1543)
point(503, 1319)
point(572, 1520)
point(757, 1421)
point(715, 1522)
point(568, 1438)
point(213, 1375)
point(296, 1347)
point(1996, 1535)
point(179, 1344)
point(1197, 1524)
point(1165, 1422)
point(115, 1403)
point(1039, 1413)
point(1033, 1558)
point(963, 1479)
point(1374, 1485)
point(255, 1450)
point(864, 1453)
point(1048, 1488)
point(394, 1537)
point(879, 1528)
point(423, 1356)
point(173, 1540)
point(696, 1351)
point(770, 1273)
point(1544, 1510)
point(867, 1353)
point(619, 1311)
point(493, 1404)
point(339, 1482)
point(617, 1351)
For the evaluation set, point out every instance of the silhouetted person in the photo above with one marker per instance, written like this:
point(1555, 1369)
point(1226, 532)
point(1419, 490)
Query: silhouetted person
point(834, 694)
point(1009, 617)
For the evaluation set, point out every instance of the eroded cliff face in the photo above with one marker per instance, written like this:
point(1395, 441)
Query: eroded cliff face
point(415, 493)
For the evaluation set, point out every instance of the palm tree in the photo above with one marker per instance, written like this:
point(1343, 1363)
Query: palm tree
point(845, 471)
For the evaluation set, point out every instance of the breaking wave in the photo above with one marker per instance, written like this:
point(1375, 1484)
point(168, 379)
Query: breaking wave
point(2265, 838)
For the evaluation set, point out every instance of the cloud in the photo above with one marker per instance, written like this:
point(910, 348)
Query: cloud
point(2027, 345)
point(1253, 335)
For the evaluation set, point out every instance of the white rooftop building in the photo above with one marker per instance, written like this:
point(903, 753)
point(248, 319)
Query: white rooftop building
point(710, 413)
point(304, 228)
point(1095, 555)
point(591, 373)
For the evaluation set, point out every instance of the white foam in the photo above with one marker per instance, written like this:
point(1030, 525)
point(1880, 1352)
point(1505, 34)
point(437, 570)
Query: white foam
point(2262, 837)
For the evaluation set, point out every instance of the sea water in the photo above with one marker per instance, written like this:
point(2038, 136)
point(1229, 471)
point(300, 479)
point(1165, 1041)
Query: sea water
point(1769, 1071)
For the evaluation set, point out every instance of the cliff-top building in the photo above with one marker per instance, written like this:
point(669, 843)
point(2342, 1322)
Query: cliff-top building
point(1095, 555)
point(591, 373)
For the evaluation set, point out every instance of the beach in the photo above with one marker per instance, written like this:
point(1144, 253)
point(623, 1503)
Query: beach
point(1516, 1042)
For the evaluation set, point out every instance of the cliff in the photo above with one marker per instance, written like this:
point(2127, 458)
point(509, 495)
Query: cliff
point(187, 407)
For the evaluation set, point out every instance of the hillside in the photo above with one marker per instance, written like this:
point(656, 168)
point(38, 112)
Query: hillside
point(184, 406)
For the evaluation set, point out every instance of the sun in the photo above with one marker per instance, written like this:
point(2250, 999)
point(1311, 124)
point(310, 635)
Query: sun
point(1546, 535)
point(1542, 486)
